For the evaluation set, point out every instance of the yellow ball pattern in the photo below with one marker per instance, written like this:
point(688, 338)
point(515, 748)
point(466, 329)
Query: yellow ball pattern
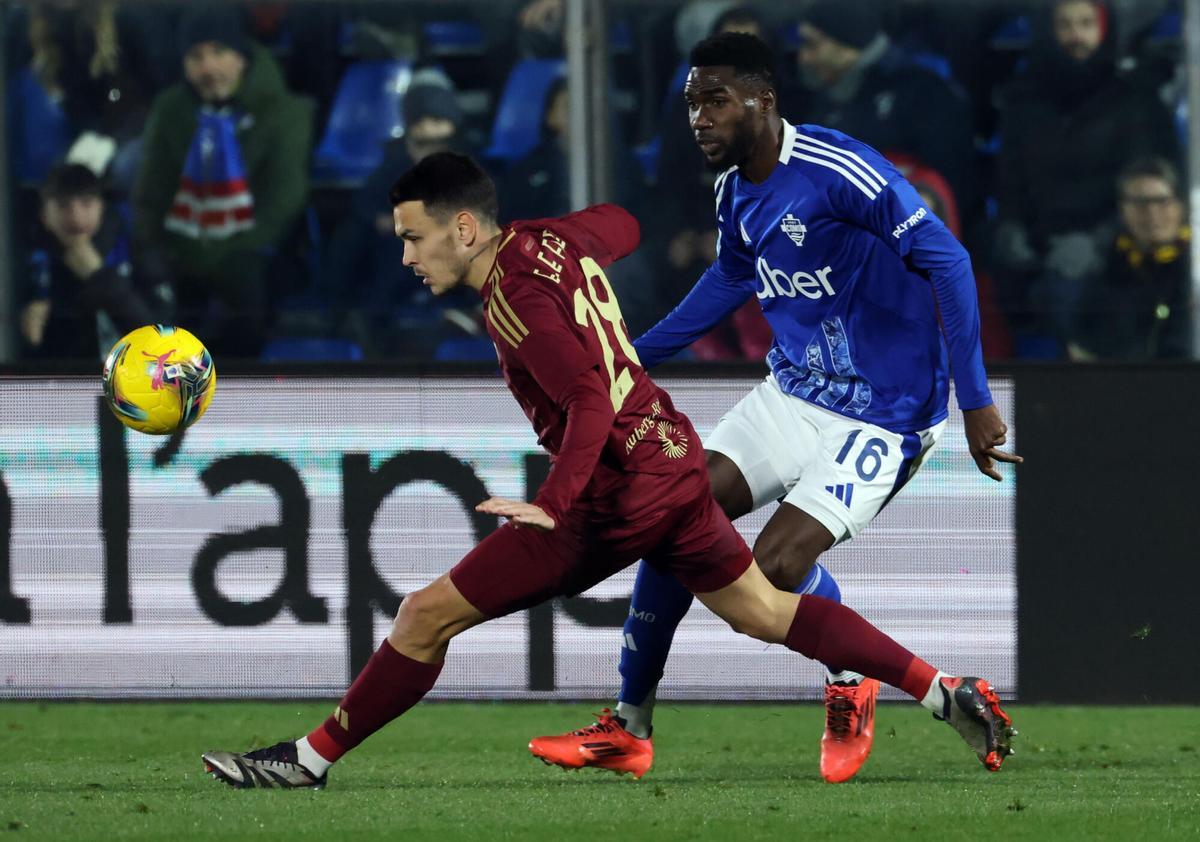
point(158, 379)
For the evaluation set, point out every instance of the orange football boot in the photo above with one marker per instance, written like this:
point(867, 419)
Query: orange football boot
point(602, 745)
point(849, 728)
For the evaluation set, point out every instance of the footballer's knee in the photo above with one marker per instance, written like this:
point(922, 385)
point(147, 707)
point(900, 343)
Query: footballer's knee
point(786, 556)
point(729, 487)
point(756, 626)
point(419, 620)
point(754, 608)
point(767, 621)
point(429, 618)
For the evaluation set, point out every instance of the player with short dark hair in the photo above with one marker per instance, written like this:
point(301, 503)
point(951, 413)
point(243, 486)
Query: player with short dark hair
point(627, 482)
point(854, 274)
point(446, 184)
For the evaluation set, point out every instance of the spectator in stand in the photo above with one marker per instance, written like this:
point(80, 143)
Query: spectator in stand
point(1067, 128)
point(858, 83)
point(540, 182)
point(539, 186)
point(223, 179)
point(82, 295)
point(364, 274)
point(103, 66)
point(540, 28)
point(696, 20)
point(1140, 306)
point(307, 40)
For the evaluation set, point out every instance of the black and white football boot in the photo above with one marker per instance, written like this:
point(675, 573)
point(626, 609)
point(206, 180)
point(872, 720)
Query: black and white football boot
point(971, 707)
point(275, 767)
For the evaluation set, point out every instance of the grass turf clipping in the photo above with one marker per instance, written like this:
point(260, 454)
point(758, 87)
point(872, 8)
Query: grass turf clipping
point(461, 771)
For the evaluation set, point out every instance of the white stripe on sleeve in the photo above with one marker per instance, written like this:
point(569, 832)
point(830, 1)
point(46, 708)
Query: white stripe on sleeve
point(849, 157)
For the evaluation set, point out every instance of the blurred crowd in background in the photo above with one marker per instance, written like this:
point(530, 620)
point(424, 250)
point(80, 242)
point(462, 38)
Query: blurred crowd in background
point(225, 167)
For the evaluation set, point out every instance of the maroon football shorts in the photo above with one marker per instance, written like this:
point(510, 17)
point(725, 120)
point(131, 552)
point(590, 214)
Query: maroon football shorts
point(683, 532)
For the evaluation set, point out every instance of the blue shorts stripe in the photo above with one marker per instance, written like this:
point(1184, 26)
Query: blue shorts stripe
point(910, 447)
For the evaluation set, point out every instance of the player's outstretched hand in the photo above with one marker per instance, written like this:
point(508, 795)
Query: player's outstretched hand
point(518, 511)
point(986, 432)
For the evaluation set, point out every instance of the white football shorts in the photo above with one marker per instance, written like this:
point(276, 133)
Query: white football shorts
point(840, 470)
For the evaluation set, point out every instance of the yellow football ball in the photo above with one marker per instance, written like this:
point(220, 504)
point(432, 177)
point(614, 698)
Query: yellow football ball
point(158, 379)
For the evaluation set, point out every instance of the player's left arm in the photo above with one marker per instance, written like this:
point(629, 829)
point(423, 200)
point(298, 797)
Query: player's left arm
point(937, 254)
point(901, 219)
point(606, 233)
point(554, 354)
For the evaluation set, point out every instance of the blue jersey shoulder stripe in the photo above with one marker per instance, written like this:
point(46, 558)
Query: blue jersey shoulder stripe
point(867, 191)
point(871, 174)
point(846, 163)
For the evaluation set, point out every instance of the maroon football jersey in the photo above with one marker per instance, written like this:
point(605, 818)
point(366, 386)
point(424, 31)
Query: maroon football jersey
point(554, 318)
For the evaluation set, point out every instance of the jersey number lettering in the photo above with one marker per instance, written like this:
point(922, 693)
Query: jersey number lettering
point(597, 305)
point(870, 460)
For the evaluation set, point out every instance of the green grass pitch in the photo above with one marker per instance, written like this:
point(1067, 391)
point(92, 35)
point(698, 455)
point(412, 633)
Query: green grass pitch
point(723, 772)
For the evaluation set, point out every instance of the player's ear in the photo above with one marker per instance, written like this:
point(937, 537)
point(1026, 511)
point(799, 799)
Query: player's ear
point(468, 227)
point(766, 100)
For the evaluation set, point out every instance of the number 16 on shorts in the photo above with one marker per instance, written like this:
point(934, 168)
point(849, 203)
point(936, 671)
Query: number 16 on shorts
point(838, 469)
point(862, 467)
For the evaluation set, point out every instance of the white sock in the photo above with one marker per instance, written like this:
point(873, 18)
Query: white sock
point(935, 698)
point(310, 759)
point(637, 718)
point(843, 677)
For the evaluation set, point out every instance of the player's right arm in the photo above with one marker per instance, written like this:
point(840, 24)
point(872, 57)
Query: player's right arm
point(544, 340)
point(723, 287)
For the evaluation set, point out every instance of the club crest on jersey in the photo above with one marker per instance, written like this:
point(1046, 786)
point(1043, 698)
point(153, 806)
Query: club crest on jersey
point(794, 228)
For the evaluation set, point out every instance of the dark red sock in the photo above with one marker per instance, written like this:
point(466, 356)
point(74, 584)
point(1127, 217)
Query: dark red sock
point(388, 686)
point(834, 634)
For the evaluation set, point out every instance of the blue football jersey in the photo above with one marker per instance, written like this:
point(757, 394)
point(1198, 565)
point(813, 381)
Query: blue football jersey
point(853, 272)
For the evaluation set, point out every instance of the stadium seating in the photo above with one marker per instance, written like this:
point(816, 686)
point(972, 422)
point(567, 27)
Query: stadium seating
point(309, 349)
point(454, 38)
point(1168, 26)
point(518, 125)
point(620, 38)
point(935, 63)
point(647, 154)
point(39, 132)
point(366, 113)
point(1014, 34)
point(788, 37)
point(466, 349)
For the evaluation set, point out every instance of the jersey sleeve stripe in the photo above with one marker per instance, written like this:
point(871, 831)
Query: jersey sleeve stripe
point(846, 162)
point(846, 155)
point(502, 327)
point(505, 311)
point(825, 162)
